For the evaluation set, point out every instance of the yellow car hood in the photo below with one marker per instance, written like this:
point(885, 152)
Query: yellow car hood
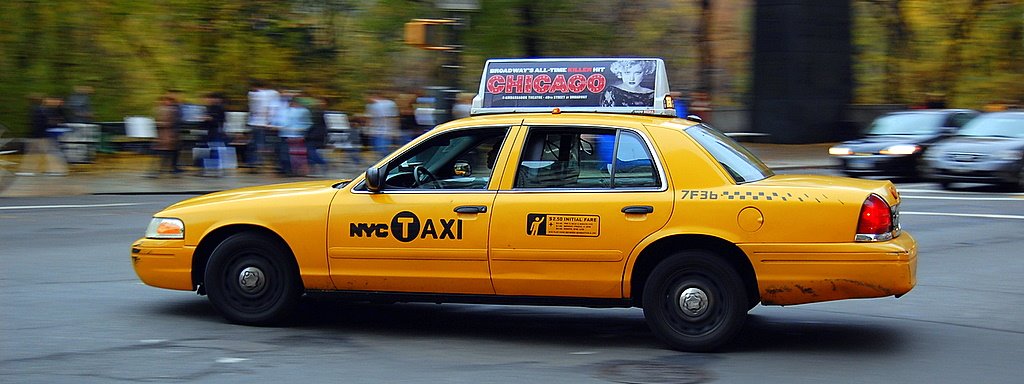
point(257, 193)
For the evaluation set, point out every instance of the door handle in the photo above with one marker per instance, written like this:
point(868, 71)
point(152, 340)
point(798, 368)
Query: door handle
point(640, 209)
point(471, 209)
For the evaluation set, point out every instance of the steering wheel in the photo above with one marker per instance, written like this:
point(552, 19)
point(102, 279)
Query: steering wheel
point(421, 175)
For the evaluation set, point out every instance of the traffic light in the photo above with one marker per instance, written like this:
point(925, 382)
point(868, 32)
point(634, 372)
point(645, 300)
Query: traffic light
point(428, 33)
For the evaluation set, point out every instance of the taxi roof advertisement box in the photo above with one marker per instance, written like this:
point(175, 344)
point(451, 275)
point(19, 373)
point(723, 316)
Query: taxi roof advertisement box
point(618, 85)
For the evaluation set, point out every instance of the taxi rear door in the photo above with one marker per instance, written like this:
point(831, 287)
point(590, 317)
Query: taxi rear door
point(573, 205)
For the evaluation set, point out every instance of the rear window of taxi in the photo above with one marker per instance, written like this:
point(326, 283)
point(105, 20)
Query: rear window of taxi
point(742, 165)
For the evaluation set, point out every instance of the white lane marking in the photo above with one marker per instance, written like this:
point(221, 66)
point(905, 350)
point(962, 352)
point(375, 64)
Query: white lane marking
point(940, 191)
point(976, 215)
point(912, 197)
point(230, 360)
point(11, 208)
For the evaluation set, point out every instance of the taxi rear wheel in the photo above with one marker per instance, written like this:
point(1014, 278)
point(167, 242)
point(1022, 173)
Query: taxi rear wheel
point(694, 301)
point(251, 280)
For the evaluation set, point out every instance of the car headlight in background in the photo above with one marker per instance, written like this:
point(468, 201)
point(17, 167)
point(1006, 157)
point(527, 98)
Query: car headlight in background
point(1010, 155)
point(901, 149)
point(165, 228)
point(840, 151)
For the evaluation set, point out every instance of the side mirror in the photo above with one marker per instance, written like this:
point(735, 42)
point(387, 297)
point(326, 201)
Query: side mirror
point(947, 131)
point(374, 179)
point(463, 169)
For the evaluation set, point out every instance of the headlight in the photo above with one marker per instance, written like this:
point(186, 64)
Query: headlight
point(901, 149)
point(1010, 155)
point(165, 228)
point(840, 151)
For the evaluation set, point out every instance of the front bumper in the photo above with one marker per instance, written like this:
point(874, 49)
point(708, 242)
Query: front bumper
point(987, 172)
point(790, 274)
point(163, 263)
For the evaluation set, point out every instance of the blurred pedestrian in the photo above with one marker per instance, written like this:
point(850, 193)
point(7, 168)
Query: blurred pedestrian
point(679, 104)
point(216, 140)
point(936, 100)
point(79, 109)
point(382, 125)
point(168, 124)
point(213, 119)
point(43, 152)
point(316, 138)
point(407, 127)
point(291, 153)
point(463, 105)
point(262, 104)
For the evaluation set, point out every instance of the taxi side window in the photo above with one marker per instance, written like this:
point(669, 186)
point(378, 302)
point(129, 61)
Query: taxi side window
point(634, 166)
point(461, 159)
point(571, 158)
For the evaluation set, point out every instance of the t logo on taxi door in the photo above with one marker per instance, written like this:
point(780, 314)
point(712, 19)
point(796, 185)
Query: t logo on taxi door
point(405, 226)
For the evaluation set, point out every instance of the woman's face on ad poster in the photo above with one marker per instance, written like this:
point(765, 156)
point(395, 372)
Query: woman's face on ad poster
point(632, 76)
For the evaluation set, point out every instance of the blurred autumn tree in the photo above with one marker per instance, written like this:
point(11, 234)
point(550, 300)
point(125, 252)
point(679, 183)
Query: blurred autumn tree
point(969, 52)
point(129, 51)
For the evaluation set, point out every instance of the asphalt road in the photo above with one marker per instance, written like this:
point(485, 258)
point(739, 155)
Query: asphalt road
point(72, 310)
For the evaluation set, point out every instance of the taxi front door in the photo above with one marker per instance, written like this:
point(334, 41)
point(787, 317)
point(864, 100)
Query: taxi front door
point(410, 242)
point(568, 226)
point(426, 229)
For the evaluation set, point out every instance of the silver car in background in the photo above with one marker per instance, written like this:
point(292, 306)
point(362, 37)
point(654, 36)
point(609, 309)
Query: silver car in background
point(988, 149)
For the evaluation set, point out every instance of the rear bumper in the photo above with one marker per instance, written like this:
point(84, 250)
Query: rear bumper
point(163, 263)
point(790, 274)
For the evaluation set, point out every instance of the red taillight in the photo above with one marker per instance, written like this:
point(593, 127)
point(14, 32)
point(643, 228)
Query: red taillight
point(875, 217)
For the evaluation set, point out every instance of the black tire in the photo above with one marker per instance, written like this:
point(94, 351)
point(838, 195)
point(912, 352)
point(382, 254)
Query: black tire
point(1018, 185)
point(252, 280)
point(708, 326)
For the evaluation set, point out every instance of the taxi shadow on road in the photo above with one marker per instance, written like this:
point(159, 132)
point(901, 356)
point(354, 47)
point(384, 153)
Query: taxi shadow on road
point(565, 326)
point(792, 334)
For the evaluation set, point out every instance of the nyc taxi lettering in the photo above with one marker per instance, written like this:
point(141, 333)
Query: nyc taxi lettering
point(540, 224)
point(405, 226)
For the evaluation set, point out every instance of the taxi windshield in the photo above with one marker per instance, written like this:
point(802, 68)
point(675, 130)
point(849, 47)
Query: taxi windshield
point(742, 165)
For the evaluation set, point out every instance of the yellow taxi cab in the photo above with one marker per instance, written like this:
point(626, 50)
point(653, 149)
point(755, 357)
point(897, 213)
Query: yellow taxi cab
point(605, 199)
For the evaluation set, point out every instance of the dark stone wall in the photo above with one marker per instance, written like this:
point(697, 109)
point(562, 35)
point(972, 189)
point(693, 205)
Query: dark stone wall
point(802, 70)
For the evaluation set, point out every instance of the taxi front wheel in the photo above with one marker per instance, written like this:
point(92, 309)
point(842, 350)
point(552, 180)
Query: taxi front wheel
point(251, 280)
point(694, 301)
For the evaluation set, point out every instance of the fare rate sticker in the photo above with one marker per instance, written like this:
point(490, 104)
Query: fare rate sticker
point(542, 224)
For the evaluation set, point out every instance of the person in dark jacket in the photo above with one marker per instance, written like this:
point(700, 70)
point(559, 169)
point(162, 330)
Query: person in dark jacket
point(43, 151)
point(213, 120)
point(316, 138)
point(216, 140)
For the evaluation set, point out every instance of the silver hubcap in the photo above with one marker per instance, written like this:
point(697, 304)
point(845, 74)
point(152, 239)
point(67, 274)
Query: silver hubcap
point(693, 302)
point(251, 279)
